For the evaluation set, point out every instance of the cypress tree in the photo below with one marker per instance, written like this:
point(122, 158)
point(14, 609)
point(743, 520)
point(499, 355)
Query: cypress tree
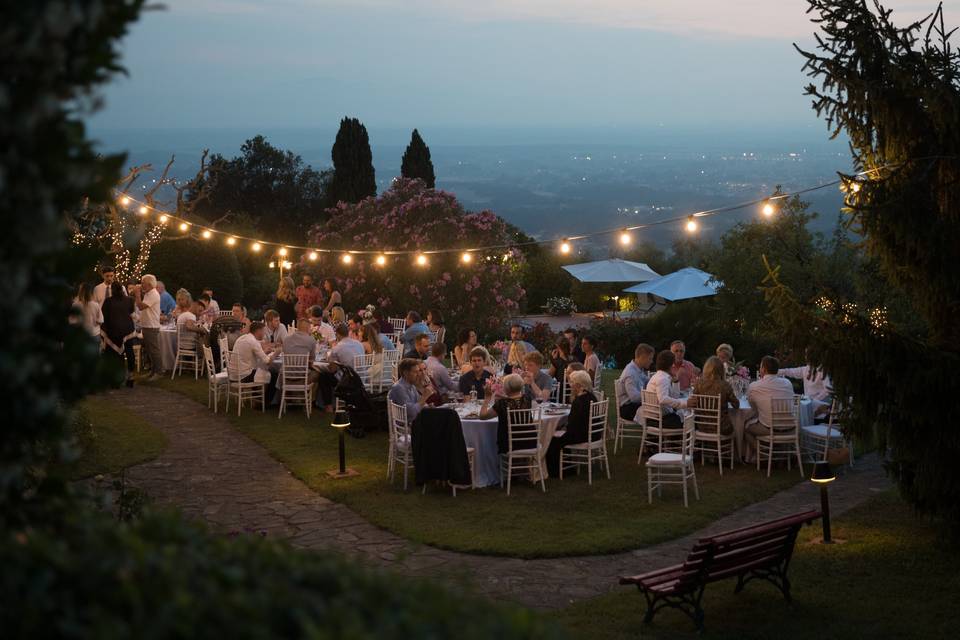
point(353, 175)
point(416, 161)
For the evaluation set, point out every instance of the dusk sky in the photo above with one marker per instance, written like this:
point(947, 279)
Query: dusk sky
point(470, 63)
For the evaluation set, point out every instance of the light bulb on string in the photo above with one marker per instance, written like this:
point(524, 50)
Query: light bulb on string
point(565, 246)
point(273, 264)
point(142, 210)
point(466, 257)
point(282, 251)
point(124, 201)
point(625, 237)
point(287, 265)
point(347, 258)
point(381, 260)
point(768, 209)
point(692, 224)
point(231, 241)
point(206, 234)
point(256, 246)
point(313, 255)
point(164, 218)
point(184, 226)
point(421, 260)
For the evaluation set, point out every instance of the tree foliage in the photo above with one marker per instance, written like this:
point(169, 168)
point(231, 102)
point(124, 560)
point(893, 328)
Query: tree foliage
point(195, 265)
point(894, 92)
point(353, 176)
point(416, 161)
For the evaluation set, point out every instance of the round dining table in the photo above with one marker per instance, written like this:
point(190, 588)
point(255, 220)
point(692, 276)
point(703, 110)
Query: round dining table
point(482, 436)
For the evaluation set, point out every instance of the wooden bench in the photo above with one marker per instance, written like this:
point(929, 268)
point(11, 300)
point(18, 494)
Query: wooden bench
point(758, 551)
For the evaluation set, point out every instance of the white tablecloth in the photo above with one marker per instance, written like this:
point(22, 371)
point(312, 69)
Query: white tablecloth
point(745, 413)
point(168, 347)
point(482, 436)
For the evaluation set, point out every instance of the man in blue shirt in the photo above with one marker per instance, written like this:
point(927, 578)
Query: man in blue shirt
point(634, 380)
point(404, 391)
point(167, 303)
point(415, 327)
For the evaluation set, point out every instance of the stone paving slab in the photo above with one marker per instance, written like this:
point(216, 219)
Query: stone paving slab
point(214, 473)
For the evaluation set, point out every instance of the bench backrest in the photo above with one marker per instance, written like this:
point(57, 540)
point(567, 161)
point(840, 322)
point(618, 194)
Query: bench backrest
point(732, 552)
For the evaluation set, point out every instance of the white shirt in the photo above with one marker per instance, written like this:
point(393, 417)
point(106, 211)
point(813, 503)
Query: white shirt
point(213, 306)
point(183, 317)
point(92, 317)
point(250, 354)
point(345, 351)
point(327, 333)
point(819, 388)
point(101, 292)
point(662, 383)
point(766, 389)
point(275, 336)
point(150, 316)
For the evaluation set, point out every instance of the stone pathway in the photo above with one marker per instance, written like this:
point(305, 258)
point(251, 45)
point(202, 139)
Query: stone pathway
point(213, 472)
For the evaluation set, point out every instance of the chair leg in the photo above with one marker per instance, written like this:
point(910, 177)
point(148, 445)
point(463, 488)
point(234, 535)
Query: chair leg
point(796, 448)
point(509, 473)
point(561, 464)
point(643, 441)
point(720, 456)
point(649, 486)
point(606, 463)
point(589, 468)
point(685, 504)
point(406, 470)
point(543, 473)
point(770, 459)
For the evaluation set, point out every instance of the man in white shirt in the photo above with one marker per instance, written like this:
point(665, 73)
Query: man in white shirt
point(770, 386)
point(662, 383)
point(325, 329)
point(275, 332)
point(102, 291)
point(633, 381)
point(437, 370)
point(147, 300)
point(253, 362)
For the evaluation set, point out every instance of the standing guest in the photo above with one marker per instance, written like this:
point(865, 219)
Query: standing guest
point(240, 315)
point(147, 300)
point(437, 370)
point(212, 304)
point(573, 337)
point(537, 384)
point(415, 327)
point(383, 325)
point(662, 383)
point(634, 380)
point(91, 311)
point(167, 302)
point(578, 423)
point(559, 359)
point(476, 378)
point(421, 347)
point(209, 312)
point(466, 341)
point(254, 363)
point(500, 407)
point(816, 385)
point(591, 361)
point(103, 290)
point(518, 347)
point(118, 331)
point(325, 329)
point(332, 288)
point(274, 330)
point(286, 301)
point(404, 391)
point(307, 295)
point(761, 393)
point(683, 371)
point(342, 354)
point(434, 320)
point(300, 342)
point(714, 383)
point(725, 353)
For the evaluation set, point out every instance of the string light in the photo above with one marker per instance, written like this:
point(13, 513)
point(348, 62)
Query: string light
point(381, 260)
point(465, 257)
point(282, 251)
point(231, 241)
point(768, 209)
point(855, 186)
point(421, 260)
point(184, 226)
point(206, 234)
point(565, 246)
point(125, 200)
point(287, 265)
point(164, 218)
point(273, 264)
point(142, 210)
point(347, 258)
point(625, 237)
point(692, 224)
point(313, 255)
point(256, 246)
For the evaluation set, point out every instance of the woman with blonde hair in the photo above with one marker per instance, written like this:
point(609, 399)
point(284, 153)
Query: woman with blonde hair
point(286, 301)
point(713, 383)
point(725, 353)
point(578, 424)
point(338, 316)
point(500, 405)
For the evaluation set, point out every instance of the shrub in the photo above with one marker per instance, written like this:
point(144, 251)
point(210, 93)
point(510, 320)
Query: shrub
point(561, 306)
point(542, 337)
point(194, 264)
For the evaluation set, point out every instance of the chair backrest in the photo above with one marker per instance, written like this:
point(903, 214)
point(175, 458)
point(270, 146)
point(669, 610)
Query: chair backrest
point(224, 343)
point(650, 409)
point(783, 415)
point(295, 369)
point(432, 337)
point(224, 314)
point(597, 376)
point(556, 392)
point(399, 324)
point(523, 425)
point(441, 334)
point(233, 367)
point(598, 420)
point(706, 412)
point(688, 438)
point(362, 364)
point(186, 339)
point(390, 361)
point(208, 360)
point(399, 428)
point(599, 394)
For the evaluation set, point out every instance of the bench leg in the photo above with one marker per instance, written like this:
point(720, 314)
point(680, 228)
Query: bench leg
point(688, 603)
point(777, 576)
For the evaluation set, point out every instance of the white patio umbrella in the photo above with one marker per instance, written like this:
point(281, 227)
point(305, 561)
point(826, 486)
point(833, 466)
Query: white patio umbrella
point(612, 270)
point(679, 285)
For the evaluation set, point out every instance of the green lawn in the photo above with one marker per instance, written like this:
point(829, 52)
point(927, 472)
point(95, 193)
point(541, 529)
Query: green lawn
point(894, 577)
point(572, 518)
point(112, 438)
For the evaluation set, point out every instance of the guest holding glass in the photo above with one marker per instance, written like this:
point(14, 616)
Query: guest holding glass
point(475, 379)
point(147, 300)
point(816, 385)
point(537, 384)
point(559, 359)
point(661, 383)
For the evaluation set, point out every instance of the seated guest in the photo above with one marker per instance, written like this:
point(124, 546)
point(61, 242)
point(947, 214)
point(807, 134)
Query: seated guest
point(713, 383)
point(188, 318)
point(633, 381)
point(426, 387)
point(240, 315)
point(725, 353)
point(315, 315)
point(476, 378)
point(760, 394)
point(466, 341)
point(254, 362)
point(573, 339)
point(183, 303)
point(344, 353)
point(404, 391)
point(383, 325)
point(337, 316)
point(816, 385)
point(415, 327)
point(517, 348)
point(661, 382)
point(578, 423)
point(559, 359)
point(210, 313)
point(683, 371)
point(211, 303)
point(591, 361)
point(300, 342)
point(275, 331)
point(437, 370)
point(537, 385)
point(499, 406)
point(434, 320)
point(167, 301)
point(370, 338)
point(353, 325)
point(421, 347)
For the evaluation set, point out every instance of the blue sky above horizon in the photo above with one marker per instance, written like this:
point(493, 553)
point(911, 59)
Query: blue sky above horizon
point(694, 64)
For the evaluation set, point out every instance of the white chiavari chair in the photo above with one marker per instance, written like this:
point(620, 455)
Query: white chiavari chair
point(295, 380)
point(187, 355)
point(625, 429)
point(594, 449)
point(524, 452)
point(783, 434)
point(706, 418)
point(251, 391)
point(214, 380)
point(401, 442)
point(652, 415)
point(816, 440)
point(674, 468)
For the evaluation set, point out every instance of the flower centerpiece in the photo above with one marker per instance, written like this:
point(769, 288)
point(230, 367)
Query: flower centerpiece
point(497, 348)
point(560, 306)
point(739, 378)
